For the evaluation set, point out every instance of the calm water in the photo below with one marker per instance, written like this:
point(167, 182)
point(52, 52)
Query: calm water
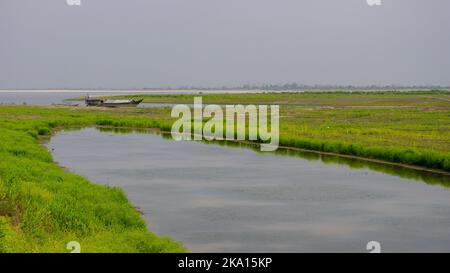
point(227, 199)
point(60, 97)
point(49, 97)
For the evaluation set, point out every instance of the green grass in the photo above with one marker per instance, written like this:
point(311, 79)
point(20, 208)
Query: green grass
point(408, 136)
point(402, 127)
point(435, 98)
point(42, 206)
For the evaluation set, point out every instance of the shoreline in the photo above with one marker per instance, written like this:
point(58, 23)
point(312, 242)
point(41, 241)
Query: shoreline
point(30, 166)
point(156, 130)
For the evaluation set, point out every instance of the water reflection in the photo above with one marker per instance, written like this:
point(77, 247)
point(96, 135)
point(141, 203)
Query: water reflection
point(429, 178)
point(218, 199)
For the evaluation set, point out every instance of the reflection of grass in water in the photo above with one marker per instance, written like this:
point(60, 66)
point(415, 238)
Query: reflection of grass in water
point(354, 163)
point(427, 177)
point(402, 127)
point(42, 206)
point(124, 130)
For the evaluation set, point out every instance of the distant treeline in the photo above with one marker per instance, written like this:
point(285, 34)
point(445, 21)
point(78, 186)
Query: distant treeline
point(267, 87)
point(296, 86)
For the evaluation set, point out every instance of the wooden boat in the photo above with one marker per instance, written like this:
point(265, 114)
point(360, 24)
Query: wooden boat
point(90, 101)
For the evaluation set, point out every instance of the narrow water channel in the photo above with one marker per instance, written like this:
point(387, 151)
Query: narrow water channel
point(217, 198)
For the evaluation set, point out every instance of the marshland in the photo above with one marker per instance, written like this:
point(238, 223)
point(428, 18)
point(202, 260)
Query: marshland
point(371, 151)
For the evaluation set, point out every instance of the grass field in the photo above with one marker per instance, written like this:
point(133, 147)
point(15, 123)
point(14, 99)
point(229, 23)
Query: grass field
point(402, 127)
point(42, 206)
point(424, 98)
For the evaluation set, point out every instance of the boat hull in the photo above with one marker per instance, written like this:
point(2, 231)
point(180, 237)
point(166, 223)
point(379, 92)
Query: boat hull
point(106, 103)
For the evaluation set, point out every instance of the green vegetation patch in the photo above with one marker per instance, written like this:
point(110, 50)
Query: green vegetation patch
point(43, 207)
point(425, 98)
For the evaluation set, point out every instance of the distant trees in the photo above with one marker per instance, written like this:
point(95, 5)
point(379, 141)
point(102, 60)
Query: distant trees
point(294, 86)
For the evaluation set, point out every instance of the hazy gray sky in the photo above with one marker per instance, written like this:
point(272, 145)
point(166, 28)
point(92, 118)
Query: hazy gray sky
point(153, 43)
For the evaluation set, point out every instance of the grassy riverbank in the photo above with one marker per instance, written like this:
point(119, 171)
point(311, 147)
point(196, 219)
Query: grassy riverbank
point(402, 127)
point(42, 206)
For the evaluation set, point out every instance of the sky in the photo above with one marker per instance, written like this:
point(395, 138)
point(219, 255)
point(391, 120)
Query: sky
point(171, 43)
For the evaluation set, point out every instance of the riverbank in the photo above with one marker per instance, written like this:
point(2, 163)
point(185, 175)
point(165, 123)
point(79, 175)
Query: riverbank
point(397, 126)
point(42, 206)
point(201, 194)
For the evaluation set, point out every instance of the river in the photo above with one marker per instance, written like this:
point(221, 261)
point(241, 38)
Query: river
point(230, 198)
point(49, 97)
